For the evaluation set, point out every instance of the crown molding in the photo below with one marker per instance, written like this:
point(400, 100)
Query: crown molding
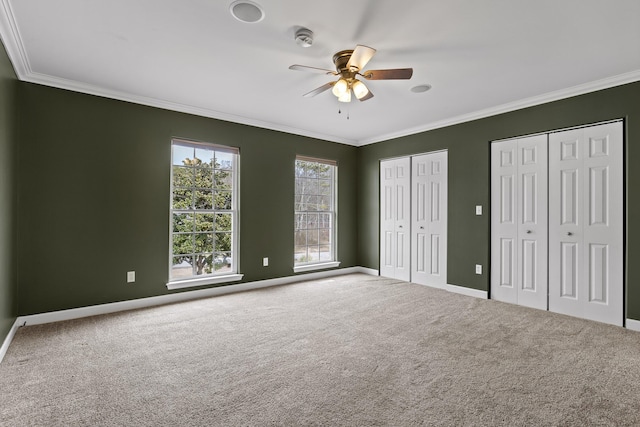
point(582, 89)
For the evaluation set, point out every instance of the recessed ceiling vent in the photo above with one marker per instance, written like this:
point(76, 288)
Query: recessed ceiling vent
point(246, 11)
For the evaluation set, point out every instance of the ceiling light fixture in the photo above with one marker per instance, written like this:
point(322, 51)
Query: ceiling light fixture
point(246, 11)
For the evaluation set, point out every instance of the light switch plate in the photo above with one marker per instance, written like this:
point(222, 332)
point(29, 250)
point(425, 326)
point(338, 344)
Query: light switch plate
point(478, 209)
point(478, 269)
point(265, 262)
point(131, 276)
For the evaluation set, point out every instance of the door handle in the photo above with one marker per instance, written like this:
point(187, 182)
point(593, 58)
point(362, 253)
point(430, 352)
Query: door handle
point(528, 231)
point(569, 233)
point(399, 226)
point(421, 227)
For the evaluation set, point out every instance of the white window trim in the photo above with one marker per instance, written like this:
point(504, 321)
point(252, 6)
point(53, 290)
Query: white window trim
point(318, 266)
point(210, 279)
point(203, 281)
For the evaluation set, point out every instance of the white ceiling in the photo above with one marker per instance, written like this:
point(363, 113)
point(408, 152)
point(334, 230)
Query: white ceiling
point(482, 57)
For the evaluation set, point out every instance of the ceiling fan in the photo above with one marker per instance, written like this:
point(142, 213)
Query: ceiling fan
point(349, 65)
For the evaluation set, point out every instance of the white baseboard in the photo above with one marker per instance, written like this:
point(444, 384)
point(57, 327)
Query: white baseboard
point(76, 313)
point(9, 338)
point(634, 325)
point(369, 271)
point(467, 291)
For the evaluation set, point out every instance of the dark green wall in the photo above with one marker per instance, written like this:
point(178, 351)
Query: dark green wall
point(93, 185)
point(8, 85)
point(469, 163)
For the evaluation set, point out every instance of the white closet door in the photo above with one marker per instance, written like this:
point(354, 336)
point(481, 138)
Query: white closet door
point(519, 221)
point(395, 218)
point(585, 223)
point(429, 219)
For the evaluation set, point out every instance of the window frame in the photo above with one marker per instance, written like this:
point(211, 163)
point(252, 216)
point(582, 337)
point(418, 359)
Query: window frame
point(210, 278)
point(319, 264)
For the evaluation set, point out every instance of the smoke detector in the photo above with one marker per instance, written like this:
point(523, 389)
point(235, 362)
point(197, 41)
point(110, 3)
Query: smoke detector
point(304, 37)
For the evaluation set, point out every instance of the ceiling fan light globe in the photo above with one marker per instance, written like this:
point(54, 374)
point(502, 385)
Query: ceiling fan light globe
point(359, 89)
point(345, 97)
point(340, 88)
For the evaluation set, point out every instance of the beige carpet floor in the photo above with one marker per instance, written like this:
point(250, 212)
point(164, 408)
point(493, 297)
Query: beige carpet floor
point(354, 350)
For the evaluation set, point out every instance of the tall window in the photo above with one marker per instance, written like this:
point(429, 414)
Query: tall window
point(203, 210)
point(315, 211)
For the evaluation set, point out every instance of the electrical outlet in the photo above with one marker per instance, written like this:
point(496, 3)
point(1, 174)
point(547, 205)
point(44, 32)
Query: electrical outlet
point(478, 209)
point(131, 276)
point(265, 262)
point(478, 269)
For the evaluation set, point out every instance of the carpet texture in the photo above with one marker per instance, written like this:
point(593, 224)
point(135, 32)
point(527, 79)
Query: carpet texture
point(354, 350)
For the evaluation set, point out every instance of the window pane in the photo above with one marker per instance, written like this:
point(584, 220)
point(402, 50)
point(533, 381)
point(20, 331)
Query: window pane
point(223, 242)
point(301, 238)
point(204, 222)
point(324, 236)
point(222, 200)
point(204, 178)
point(312, 220)
point(182, 199)
point(301, 221)
point(324, 220)
point(222, 262)
point(223, 222)
point(313, 255)
point(182, 244)
point(324, 203)
point(223, 179)
point(312, 237)
point(203, 199)
point(300, 254)
point(182, 267)
point(204, 155)
point(325, 172)
point(203, 264)
point(203, 242)
point(181, 153)
point(224, 160)
point(183, 177)
point(183, 223)
point(325, 253)
point(324, 188)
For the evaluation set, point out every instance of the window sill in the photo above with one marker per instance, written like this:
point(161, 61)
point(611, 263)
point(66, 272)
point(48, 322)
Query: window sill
point(319, 266)
point(211, 280)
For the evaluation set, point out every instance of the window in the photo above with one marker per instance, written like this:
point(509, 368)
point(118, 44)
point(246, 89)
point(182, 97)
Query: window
point(315, 214)
point(204, 206)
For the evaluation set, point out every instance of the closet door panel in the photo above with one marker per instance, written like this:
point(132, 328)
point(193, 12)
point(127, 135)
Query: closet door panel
point(532, 199)
point(586, 220)
point(395, 218)
point(429, 221)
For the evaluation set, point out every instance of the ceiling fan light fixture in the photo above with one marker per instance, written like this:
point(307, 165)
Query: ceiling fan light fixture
point(340, 88)
point(359, 89)
point(345, 97)
point(246, 11)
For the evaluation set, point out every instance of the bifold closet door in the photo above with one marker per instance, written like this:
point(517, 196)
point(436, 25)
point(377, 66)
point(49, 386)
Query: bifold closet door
point(586, 223)
point(395, 221)
point(429, 219)
point(519, 221)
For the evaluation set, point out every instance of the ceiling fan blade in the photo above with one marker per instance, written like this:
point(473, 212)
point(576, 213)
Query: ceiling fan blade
point(312, 69)
point(360, 56)
point(369, 95)
point(392, 74)
point(319, 90)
